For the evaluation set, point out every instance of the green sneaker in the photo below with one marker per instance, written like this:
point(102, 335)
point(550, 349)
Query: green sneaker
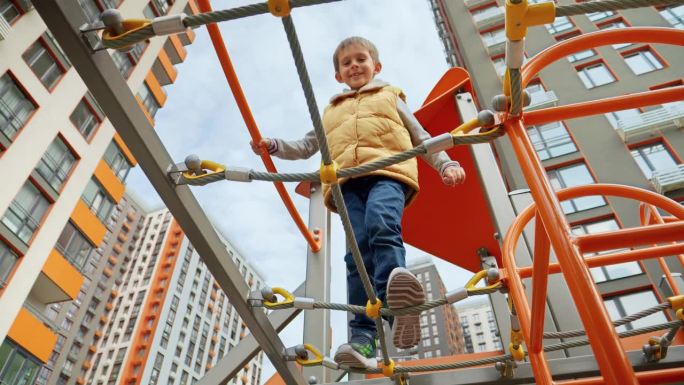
point(359, 352)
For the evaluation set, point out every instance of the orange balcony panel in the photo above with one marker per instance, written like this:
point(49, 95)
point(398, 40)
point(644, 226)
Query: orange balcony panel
point(130, 217)
point(88, 223)
point(30, 333)
point(58, 281)
point(113, 260)
point(117, 248)
point(178, 47)
point(79, 380)
point(210, 306)
point(124, 149)
point(92, 348)
point(192, 4)
point(122, 237)
point(103, 320)
point(149, 117)
point(213, 296)
point(109, 306)
point(107, 272)
point(87, 365)
point(112, 185)
point(97, 335)
point(168, 67)
point(212, 353)
point(209, 365)
point(244, 379)
point(114, 294)
point(187, 37)
point(214, 339)
point(125, 226)
point(156, 89)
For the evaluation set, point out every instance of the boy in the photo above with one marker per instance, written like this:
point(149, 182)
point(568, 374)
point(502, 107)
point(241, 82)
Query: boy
point(367, 122)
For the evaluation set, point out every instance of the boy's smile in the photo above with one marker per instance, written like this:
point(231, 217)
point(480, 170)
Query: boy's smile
point(356, 67)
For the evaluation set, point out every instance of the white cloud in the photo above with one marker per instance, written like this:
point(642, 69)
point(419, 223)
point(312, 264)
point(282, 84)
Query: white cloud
point(201, 117)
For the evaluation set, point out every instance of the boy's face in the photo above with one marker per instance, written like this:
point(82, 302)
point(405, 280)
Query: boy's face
point(356, 66)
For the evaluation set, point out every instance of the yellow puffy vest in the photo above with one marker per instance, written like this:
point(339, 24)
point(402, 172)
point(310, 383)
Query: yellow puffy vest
point(364, 127)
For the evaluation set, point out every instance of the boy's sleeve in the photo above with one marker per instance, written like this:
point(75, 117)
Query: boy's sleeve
point(440, 160)
point(295, 149)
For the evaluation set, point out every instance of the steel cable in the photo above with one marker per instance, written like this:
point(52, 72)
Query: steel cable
point(609, 5)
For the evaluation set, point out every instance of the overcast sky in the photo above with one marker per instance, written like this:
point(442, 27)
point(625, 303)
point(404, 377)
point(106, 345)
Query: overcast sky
point(201, 117)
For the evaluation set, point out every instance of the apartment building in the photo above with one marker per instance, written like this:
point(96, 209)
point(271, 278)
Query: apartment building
point(638, 147)
point(480, 332)
point(65, 170)
point(441, 333)
point(170, 321)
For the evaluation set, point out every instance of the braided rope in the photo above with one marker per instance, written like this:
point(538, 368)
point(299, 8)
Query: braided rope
point(516, 91)
point(208, 18)
point(608, 5)
point(505, 357)
point(620, 322)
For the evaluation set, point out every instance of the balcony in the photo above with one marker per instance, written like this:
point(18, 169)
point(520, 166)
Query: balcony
point(5, 28)
point(58, 280)
point(475, 3)
point(669, 179)
point(489, 18)
point(496, 47)
point(542, 100)
point(671, 116)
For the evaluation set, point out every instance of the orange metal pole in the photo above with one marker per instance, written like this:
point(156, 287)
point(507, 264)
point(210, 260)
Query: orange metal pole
point(656, 376)
point(241, 100)
point(614, 365)
point(631, 237)
point(601, 106)
point(596, 39)
point(540, 280)
point(614, 258)
point(646, 219)
point(540, 367)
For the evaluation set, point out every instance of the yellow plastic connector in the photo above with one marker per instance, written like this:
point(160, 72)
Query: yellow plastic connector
point(676, 302)
point(388, 370)
point(329, 173)
point(680, 314)
point(516, 351)
point(479, 276)
point(279, 8)
point(373, 310)
point(205, 165)
point(288, 298)
point(516, 337)
point(129, 26)
point(520, 15)
point(466, 127)
point(316, 360)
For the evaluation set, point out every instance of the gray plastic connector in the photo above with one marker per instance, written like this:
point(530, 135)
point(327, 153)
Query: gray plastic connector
point(500, 103)
point(439, 143)
point(238, 174)
point(167, 25)
point(328, 363)
point(113, 21)
point(457, 295)
point(194, 164)
point(303, 303)
point(515, 323)
point(301, 352)
point(515, 53)
point(493, 275)
point(486, 118)
point(268, 294)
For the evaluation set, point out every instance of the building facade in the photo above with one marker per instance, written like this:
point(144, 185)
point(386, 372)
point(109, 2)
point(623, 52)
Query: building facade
point(66, 170)
point(480, 332)
point(638, 147)
point(170, 322)
point(441, 333)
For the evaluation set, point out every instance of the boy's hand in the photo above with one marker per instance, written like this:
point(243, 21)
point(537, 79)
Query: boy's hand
point(453, 175)
point(265, 143)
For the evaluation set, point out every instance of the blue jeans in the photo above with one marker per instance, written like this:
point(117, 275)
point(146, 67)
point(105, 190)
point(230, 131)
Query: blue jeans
point(375, 205)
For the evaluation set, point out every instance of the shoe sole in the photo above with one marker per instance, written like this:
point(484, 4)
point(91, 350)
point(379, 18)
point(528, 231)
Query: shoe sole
point(404, 290)
point(346, 355)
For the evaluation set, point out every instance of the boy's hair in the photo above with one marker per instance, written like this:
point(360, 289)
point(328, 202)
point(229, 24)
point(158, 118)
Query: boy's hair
point(355, 40)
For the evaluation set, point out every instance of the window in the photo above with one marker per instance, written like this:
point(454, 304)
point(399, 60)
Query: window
point(56, 163)
point(642, 62)
point(9, 11)
point(25, 212)
point(551, 140)
point(7, 261)
point(148, 100)
point(624, 305)
point(125, 61)
point(610, 272)
point(84, 119)
point(614, 118)
point(653, 157)
point(486, 12)
point(560, 24)
point(74, 246)
point(15, 107)
point(117, 161)
point(494, 37)
point(596, 16)
point(17, 367)
point(97, 200)
point(674, 15)
point(579, 55)
point(595, 75)
point(43, 63)
point(574, 175)
point(616, 25)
